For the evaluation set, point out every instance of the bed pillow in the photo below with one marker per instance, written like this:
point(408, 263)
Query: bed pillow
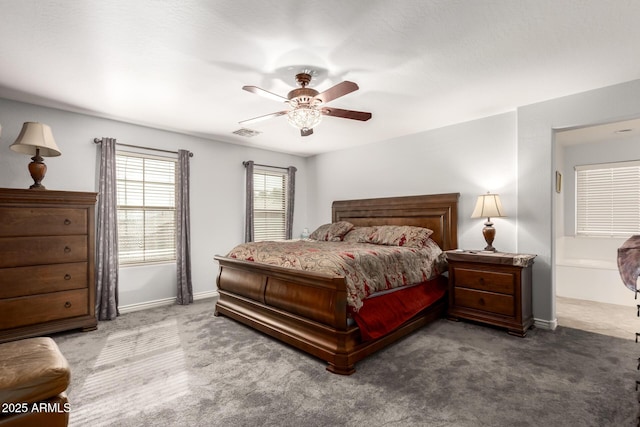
point(401, 235)
point(360, 235)
point(333, 232)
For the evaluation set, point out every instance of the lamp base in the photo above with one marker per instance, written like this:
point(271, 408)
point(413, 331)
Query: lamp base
point(37, 169)
point(489, 233)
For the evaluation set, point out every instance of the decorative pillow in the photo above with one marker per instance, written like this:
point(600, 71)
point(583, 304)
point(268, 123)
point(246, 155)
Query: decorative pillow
point(360, 235)
point(401, 235)
point(332, 232)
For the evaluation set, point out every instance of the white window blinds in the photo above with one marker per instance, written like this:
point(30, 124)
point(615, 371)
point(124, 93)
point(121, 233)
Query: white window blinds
point(608, 199)
point(269, 204)
point(146, 187)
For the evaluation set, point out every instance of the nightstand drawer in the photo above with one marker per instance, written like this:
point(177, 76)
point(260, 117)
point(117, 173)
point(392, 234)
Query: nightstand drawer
point(483, 280)
point(486, 301)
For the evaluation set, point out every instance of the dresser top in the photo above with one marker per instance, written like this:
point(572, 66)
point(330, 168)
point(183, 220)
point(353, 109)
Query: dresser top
point(18, 195)
point(520, 260)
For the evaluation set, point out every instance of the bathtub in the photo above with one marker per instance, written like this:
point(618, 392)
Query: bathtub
point(586, 268)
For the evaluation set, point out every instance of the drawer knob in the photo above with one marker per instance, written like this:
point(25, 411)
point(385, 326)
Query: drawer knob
point(481, 301)
point(67, 249)
point(67, 276)
point(67, 304)
point(481, 280)
point(67, 221)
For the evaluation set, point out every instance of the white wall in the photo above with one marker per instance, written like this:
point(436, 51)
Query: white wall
point(217, 186)
point(470, 158)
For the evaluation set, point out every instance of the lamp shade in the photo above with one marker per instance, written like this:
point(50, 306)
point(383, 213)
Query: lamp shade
point(33, 136)
point(488, 206)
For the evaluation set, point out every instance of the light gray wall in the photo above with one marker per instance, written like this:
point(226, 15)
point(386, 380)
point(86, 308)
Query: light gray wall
point(512, 154)
point(536, 171)
point(470, 158)
point(217, 186)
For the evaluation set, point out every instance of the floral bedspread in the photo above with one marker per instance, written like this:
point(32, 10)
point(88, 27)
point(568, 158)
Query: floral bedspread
point(367, 268)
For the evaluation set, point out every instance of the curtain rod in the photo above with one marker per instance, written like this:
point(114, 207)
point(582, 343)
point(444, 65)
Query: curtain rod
point(265, 166)
point(99, 141)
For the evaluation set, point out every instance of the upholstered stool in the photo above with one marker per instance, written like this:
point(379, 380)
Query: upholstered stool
point(33, 378)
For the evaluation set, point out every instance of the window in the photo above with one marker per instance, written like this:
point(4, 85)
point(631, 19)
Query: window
point(146, 187)
point(269, 204)
point(608, 199)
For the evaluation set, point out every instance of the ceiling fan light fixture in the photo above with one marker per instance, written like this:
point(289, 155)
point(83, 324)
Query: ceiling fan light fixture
point(304, 117)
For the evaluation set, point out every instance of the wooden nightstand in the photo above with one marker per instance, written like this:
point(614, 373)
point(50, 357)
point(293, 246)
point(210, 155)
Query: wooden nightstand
point(491, 287)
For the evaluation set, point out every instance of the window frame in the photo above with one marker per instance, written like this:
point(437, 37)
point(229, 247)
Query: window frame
point(147, 260)
point(614, 198)
point(259, 233)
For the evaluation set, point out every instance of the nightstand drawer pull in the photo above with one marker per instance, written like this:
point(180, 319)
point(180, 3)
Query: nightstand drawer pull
point(67, 304)
point(67, 276)
point(67, 249)
point(67, 221)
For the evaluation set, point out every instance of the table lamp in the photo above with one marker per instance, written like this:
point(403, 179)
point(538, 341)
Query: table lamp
point(487, 206)
point(36, 140)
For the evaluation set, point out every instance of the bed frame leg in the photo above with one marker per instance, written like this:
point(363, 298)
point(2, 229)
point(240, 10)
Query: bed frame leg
point(341, 370)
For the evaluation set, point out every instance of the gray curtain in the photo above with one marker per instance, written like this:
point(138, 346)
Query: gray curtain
point(107, 237)
point(291, 192)
point(248, 214)
point(183, 247)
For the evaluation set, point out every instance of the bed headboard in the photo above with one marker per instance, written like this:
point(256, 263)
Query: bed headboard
point(438, 212)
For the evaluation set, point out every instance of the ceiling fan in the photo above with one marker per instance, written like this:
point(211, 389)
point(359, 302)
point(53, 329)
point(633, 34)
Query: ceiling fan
point(308, 105)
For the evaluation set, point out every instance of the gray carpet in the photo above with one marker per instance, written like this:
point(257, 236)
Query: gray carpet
point(181, 366)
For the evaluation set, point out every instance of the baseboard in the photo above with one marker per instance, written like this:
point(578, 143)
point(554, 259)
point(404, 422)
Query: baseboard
point(163, 302)
point(205, 295)
point(549, 325)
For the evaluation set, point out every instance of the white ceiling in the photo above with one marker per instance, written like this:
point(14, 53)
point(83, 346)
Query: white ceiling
point(420, 64)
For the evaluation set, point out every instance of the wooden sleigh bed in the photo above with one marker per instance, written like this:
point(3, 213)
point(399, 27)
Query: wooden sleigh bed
point(309, 310)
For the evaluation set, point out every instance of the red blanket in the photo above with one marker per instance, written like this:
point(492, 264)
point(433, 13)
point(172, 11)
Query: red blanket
point(382, 314)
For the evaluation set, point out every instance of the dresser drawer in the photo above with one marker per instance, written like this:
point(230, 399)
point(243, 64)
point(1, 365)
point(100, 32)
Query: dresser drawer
point(486, 301)
point(23, 251)
point(15, 312)
point(16, 221)
point(492, 281)
point(40, 279)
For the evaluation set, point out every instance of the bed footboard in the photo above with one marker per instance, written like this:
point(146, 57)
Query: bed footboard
point(304, 309)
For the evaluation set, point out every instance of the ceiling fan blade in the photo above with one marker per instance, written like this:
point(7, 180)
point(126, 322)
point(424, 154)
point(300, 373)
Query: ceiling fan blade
point(265, 93)
point(346, 114)
point(306, 132)
point(337, 91)
point(261, 118)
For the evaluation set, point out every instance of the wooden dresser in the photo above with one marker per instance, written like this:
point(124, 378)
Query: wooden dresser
point(493, 288)
point(47, 242)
